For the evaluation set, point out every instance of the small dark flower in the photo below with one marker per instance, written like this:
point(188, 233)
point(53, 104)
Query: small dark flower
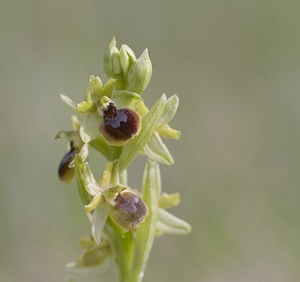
point(129, 210)
point(119, 126)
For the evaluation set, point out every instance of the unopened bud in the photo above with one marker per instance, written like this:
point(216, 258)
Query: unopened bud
point(112, 65)
point(139, 74)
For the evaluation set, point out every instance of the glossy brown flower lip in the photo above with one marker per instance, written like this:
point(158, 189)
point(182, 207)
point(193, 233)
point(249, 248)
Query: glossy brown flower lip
point(119, 125)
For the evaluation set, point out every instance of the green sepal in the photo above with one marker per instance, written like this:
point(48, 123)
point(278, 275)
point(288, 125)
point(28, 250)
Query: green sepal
point(89, 128)
point(169, 200)
point(170, 224)
point(134, 147)
point(158, 151)
point(126, 99)
point(84, 195)
point(151, 189)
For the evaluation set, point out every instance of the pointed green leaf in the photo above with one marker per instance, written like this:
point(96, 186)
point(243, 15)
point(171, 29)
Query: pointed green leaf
point(158, 151)
point(134, 147)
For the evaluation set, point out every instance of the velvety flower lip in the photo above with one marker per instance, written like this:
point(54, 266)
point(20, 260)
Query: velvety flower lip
point(119, 125)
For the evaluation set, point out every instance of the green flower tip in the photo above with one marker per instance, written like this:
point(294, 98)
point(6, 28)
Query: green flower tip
point(129, 211)
point(119, 125)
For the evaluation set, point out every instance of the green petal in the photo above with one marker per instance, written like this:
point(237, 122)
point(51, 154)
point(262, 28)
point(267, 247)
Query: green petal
point(89, 128)
point(170, 224)
point(134, 147)
point(158, 151)
point(168, 200)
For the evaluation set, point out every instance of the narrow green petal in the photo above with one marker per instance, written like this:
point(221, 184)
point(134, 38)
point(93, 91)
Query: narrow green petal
point(134, 147)
point(89, 128)
point(68, 101)
point(168, 200)
point(170, 110)
point(151, 190)
point(158, 151)
point(170, 224)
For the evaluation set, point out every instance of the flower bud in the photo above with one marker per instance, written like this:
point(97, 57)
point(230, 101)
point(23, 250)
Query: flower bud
point(119, 126)
point(127, 58)
point(139, 74)
point(129, 210)
point(112, 65)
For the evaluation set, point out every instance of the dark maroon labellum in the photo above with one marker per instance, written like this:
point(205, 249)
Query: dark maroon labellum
point(119, 125)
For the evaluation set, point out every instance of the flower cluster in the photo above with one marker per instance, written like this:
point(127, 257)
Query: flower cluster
point(114, 120)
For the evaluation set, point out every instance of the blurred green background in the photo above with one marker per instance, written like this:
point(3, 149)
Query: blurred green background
point(235, 66)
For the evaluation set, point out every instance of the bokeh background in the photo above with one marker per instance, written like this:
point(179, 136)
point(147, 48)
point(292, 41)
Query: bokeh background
point(235, 66)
